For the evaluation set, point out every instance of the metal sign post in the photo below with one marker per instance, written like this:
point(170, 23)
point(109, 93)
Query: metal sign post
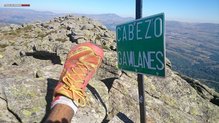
point(141, 49)
point(141, 97)
point(140, 78)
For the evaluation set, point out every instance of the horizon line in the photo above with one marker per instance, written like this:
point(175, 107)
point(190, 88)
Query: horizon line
point(72, 13)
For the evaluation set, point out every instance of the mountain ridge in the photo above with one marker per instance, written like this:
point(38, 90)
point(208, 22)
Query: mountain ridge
point(181, 37)
point(31, 59)
point(22, 16)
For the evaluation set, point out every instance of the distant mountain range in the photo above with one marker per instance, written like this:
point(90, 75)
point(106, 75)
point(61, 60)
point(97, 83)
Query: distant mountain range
point(21, 16)
point(109, 20)
point(193, 48)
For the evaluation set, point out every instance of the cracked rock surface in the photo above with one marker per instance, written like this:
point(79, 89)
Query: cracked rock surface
point(31, 59)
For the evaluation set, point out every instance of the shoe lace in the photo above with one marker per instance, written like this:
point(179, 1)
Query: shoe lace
point(78, 79)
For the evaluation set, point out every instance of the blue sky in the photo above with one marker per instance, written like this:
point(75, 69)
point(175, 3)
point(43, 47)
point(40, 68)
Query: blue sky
point(180, 10)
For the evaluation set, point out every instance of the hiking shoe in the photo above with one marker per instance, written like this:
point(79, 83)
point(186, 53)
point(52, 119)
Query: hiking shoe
point(81, 64)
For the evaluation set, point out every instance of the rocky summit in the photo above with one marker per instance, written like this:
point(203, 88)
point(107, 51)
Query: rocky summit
point(31, 59)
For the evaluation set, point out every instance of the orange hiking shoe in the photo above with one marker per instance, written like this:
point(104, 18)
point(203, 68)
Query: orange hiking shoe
point(81, 64)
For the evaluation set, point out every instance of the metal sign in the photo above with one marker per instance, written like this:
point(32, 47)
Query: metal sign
point(141, 45)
